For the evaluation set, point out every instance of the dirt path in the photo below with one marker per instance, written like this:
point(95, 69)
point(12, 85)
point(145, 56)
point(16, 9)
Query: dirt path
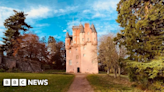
point(80, 84)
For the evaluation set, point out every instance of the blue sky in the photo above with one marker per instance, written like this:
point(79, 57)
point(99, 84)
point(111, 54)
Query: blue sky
point(56, 17)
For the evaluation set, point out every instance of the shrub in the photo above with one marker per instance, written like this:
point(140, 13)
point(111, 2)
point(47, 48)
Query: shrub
point(16, 70)
point(2, 70)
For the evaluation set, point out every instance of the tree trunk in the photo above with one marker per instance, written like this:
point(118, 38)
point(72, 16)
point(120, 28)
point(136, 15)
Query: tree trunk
point(31, 66)
point(119, 71)
point(115, 73)
point(108, 70)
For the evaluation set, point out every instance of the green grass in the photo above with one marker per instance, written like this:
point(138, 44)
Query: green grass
point(52, 71)
point(56, 82)
point(107, 83)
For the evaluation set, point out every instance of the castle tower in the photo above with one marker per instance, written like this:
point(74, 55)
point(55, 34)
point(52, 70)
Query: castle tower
point(81, 49)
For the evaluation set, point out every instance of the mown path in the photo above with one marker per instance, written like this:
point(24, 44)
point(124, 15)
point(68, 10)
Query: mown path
point(80, 84)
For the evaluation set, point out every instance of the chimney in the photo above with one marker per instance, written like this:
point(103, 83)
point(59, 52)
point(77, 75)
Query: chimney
point(86, 25)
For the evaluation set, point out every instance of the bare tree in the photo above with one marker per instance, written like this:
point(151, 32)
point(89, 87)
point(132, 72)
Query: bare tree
point(121, 54)
point(108, 54)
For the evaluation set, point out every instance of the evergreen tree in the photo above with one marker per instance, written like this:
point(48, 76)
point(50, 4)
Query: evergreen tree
point(14, 25)
point(143, 28)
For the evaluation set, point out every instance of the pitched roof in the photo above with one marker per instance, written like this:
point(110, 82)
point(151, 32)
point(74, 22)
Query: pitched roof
point(67, 35)
point(93, 28)
point(81, 28)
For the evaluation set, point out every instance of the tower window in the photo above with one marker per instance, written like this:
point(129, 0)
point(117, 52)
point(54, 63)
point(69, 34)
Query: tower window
point(84, 47)
point(70, 62)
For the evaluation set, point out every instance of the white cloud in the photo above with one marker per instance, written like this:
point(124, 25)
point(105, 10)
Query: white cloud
point(64, 30)
point(42, 25)
point(104, 9)
point(57, 36)
point(66, 10)
point(107, 5)
point(39, 12)
point(98, 15)
point(86, 11)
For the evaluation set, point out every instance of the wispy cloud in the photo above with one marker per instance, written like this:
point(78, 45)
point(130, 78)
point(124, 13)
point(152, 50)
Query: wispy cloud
point(66, 10)
point(105, 5)
point(42, 25)
point(100, 15)
point(39, 12)
point(64, 30)
point(57, 36)
point(86, 11)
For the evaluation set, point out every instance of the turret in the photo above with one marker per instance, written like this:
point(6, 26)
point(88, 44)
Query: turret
point(94, 34)
point(93, 29)
point(67, 40)
point(82, 32)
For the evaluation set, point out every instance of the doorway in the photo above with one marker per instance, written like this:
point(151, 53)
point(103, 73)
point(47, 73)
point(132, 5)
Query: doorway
point(78, 70)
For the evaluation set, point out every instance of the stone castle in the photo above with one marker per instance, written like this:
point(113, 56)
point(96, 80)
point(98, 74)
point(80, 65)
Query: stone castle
point(81, 50)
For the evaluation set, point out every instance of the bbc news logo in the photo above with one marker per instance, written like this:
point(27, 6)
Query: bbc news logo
point(24, 82)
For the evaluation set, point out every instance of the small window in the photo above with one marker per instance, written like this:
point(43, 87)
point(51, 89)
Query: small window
point(82, 39)
point(95, 39)
point(83, 55)
point(77, 57)
point(84, 47)
point(70, 62)
point(74, 41)
point(76, 49)
point(88, 39)
point(92, 61)
point(69, 51)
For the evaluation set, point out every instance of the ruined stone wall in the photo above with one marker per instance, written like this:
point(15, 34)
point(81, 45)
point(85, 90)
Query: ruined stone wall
point(23, 65)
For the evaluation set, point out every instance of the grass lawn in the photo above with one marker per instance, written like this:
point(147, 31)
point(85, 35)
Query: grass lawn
point(107, 83)
point(56, 82)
